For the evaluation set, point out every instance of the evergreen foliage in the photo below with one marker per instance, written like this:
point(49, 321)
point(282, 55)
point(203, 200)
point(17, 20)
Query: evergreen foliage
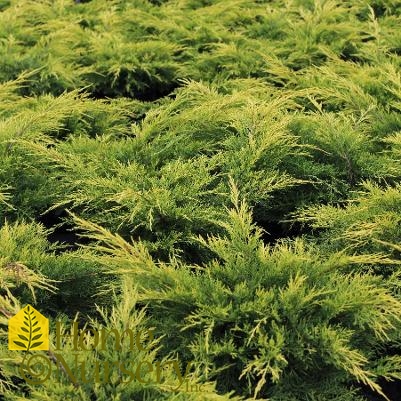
point(226, 172)
point(284, 320)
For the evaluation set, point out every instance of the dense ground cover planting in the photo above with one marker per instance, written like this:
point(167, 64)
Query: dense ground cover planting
point(225, 173)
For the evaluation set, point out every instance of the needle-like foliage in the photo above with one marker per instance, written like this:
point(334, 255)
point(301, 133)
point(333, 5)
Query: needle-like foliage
point(124, 125)
point(280, 321)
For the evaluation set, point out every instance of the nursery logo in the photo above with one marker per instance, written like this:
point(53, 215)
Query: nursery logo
point(28, 330)
point(72, 354)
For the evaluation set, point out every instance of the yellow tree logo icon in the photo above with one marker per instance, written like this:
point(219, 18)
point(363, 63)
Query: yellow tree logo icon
point(28, 330)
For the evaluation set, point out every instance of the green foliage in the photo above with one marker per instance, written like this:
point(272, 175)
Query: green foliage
point(284, 322)
point(370, 222)
point(131, 120)
point(25, 249)
point(116, 386)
